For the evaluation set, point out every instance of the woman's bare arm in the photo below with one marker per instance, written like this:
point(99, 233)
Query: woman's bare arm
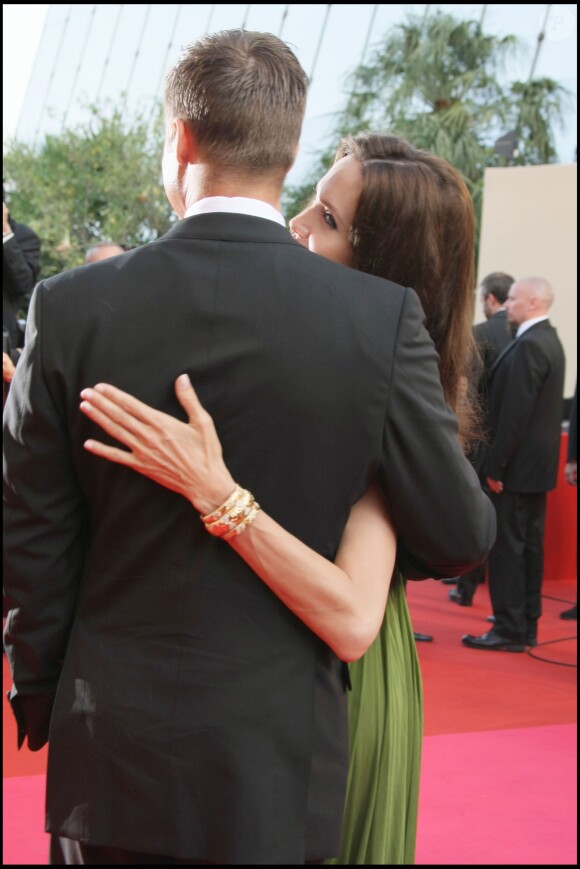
point(342, 602)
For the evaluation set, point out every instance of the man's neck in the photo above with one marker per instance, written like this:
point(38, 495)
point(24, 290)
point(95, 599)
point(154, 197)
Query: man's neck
point(210, 183)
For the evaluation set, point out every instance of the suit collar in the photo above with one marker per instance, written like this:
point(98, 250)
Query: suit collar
point(530, 324)
point(236, 205)
point(542, 324)
point(220, 226)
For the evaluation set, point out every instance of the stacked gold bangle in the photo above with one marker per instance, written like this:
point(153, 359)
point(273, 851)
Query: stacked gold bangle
point(237, 512)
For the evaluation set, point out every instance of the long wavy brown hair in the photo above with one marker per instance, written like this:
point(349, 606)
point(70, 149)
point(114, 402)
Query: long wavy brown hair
point(414, 225)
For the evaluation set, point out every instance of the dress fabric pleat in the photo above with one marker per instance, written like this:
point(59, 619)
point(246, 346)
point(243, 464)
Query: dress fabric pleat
point(385, 738)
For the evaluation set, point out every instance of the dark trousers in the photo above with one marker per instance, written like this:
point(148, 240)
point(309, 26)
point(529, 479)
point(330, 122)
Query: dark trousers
point(467, 584)
point(69, 852)
point(516, 563)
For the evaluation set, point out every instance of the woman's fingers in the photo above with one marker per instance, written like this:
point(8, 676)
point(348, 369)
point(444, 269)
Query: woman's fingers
point(110, 406)
point(127, 410)
point(187, 397)
point(123, 401)
point(109, 419)
point(113, 454)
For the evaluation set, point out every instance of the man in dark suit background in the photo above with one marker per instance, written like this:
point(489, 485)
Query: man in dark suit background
point(20, 267)
point(193, 716)
point(21, 264)
point(525, 405)
point(491, 337)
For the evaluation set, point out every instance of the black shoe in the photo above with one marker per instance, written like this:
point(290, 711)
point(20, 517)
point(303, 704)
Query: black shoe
point(571, 614)
point(456, 596)
point(532, 634)
point(450, 581)
point(492, 642)
point(422, 638)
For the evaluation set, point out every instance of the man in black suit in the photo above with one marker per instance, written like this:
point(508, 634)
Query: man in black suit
point(193, 716)
point(21, 264)
point(491, 338)
point(525, 404)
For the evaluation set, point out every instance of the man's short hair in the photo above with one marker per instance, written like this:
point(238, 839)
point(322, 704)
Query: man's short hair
point(498, 283)
point(243, 95)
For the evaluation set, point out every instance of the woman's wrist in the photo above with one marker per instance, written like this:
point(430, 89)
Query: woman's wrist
point(233, 516)
point(214, 495)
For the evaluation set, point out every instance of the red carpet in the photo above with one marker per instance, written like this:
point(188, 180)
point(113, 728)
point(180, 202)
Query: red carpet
point(497, 797)
point(469, 690)
point(25, 843)
point(498, 781)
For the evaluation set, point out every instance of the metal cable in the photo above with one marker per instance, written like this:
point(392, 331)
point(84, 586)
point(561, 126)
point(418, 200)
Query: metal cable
point(284, 16)
point(108, 57)
point(320, 38)
point(51, 77)
point(137, 52)
point(75, 78)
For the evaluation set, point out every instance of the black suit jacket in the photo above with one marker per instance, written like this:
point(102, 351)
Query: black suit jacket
point(20, 266)
point(525, 411)
point(492, 337)
point(195, 714)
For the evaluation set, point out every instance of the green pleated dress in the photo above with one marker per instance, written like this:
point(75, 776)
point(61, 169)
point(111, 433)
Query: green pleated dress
point(385, 737)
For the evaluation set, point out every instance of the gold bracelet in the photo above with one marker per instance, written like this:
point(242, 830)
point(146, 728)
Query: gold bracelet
point(216, 514)
point(241, 526)
point(237, 512)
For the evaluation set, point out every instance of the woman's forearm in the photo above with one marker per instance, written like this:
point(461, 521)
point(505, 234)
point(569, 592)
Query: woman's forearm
point(342, 602)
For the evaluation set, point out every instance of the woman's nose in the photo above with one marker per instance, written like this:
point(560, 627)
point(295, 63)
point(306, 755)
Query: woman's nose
point(299, 230)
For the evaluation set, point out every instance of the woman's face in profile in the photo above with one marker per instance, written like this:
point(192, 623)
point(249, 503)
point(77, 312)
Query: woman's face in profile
point(324, 227)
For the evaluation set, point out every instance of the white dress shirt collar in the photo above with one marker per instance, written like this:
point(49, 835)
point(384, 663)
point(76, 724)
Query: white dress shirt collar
point(523, 327)
point(236, 205)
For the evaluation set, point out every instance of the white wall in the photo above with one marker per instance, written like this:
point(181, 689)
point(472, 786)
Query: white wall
point(529, 229)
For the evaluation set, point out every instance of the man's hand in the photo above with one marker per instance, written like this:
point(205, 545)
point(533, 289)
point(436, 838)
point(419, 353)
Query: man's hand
point(570, 471)
point(495, 485)
point(5, 215)
point(8, 368)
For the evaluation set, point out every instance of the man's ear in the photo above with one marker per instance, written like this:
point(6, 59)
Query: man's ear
point(185, 144)
point(296, 152)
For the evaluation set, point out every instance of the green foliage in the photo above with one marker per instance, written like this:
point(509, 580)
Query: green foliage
point(99, 181)
point(435, 82)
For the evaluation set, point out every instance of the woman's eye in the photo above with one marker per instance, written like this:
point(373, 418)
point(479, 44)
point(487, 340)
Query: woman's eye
point(330, 219)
